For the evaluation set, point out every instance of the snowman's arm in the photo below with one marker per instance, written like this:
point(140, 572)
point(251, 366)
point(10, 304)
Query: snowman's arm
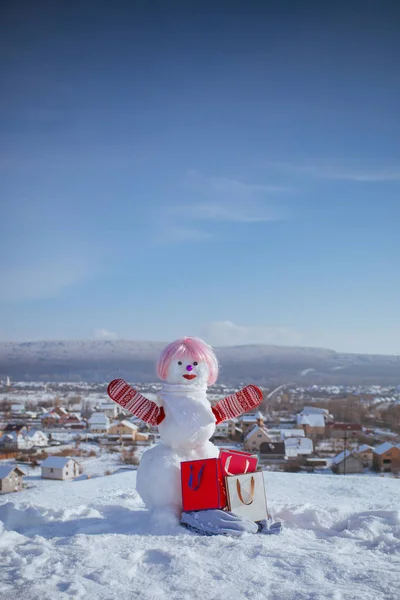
point(237, 404)
point(132, 400)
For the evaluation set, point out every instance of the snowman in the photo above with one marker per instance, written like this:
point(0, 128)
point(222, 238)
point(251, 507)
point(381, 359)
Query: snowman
point(186, 421)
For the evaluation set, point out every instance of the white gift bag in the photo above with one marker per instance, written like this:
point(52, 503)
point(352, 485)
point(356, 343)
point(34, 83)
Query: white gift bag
point(246, 496)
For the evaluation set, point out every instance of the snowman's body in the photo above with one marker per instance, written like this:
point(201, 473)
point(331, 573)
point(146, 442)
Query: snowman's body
point(186, 422)
point(185, 433)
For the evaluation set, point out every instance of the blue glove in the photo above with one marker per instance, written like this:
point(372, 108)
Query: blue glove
point(217, 522)
point(267, 527)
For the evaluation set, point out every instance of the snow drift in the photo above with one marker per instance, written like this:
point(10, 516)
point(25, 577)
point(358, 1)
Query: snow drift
point(93, 539)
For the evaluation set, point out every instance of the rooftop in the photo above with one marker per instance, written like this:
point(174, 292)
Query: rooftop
point(33, 432)
point(249, 418)
point(382, 448)
point(364, 448)
point(14, 427)
point(299, 442)
point(254, 429)
point(313, 410)
point(340, 457)
point(99, 417)
point(128, 424)
point(5, 470)
point(289, 433)
point(56, 462)
point(346, 426)
point(312, 420)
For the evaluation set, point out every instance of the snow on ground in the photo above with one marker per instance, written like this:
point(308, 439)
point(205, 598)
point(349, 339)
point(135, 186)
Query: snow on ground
point(93, 539)
point(103, 463)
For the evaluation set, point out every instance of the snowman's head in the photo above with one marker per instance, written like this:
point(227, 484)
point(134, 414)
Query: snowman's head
point(189, 361)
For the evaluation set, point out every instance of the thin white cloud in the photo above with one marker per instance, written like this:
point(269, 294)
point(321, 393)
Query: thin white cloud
point(198, 181)
point(251, 211)
point(105, 334)
point(216, 200)
point(226, 333)
point(340, 172)
point(226, 200)
point(171, 233)
point(40, 281)
point(221, 184)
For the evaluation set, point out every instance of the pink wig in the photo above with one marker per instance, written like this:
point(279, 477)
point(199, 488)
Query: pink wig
point(197, 349)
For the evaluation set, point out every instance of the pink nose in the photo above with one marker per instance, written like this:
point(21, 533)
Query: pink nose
point(189, 368)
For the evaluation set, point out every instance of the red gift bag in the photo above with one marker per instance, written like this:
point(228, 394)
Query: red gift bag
point(203, 484)
point(234, 462)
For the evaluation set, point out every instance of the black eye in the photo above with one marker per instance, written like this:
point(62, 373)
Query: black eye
point(179, 363)
point(195, 364)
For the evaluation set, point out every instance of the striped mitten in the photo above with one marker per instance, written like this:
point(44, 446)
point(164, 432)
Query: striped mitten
point(130, 399)
point(237, 404)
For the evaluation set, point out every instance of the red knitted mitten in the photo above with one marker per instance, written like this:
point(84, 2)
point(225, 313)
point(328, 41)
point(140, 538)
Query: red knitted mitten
point(237, 404)
point(130, 399)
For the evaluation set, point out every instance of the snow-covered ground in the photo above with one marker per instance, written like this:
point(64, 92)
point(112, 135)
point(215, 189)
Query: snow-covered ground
point(92, 466)
point(93, 539)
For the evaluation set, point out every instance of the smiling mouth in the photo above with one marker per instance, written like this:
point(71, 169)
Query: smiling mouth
point(187, 376)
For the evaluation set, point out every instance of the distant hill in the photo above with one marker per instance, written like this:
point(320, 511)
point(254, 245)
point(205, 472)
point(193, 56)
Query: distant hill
point(104, 360)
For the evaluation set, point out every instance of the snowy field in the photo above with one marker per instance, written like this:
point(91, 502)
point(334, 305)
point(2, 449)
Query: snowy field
point(92, 539)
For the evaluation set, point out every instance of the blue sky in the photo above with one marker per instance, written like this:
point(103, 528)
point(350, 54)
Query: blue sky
point(229, 170)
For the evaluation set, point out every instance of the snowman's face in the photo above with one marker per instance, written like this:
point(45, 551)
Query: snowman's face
point(185, 369)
